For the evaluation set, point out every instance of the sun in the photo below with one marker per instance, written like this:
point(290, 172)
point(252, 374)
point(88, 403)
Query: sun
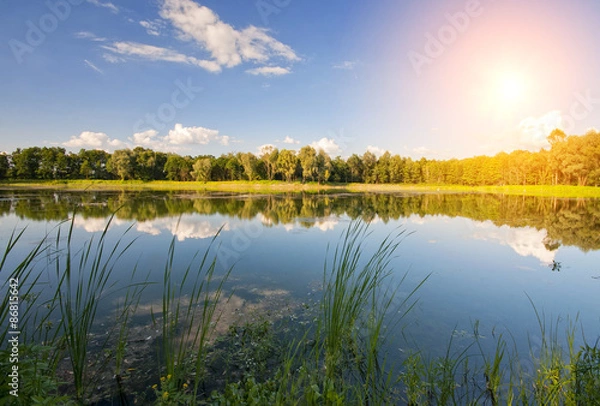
point(510, 88)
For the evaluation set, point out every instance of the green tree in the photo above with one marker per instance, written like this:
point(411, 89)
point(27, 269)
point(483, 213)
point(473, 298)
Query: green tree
point(308, 162)
point(178, 168)
point(52, 163)
point(356, 168)
point(201, 169)
point(323, 166)
point(4, 166)
point(249, 163)
point(340, 171)
point(269, 155)
point(233, 167)
point(369, 161)
point(26, 162)
point(122, 164)
point(382, 168)
point(92, 164)
point(396, 169)
point(287, 163)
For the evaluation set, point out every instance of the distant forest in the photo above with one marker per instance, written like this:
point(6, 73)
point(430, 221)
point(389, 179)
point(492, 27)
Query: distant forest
point(571, 160)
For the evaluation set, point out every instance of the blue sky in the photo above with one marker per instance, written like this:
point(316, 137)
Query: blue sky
point(438, 79)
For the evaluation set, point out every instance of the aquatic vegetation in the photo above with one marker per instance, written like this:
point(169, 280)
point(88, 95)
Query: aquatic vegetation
point(333, 354)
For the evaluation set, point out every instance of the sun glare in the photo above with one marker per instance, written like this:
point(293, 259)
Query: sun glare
point(510, 88)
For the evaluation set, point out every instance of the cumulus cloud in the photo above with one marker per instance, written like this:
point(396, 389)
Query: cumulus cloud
point(290, 140)
point(223, 45)
point(177, 138)
point(185, 227)
point(150, 139)
point(94, 140)
point(135, 49)
point(227, 46)
point(181, 135)
point(328, 145)
point(376, 150)
point(525, 241)
point(269, 71)
point(534, 130)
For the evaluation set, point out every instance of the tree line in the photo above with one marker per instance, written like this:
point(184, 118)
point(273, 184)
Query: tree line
point(571, 160)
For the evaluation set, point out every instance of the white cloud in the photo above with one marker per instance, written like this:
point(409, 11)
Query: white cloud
point(94, 140)
point(112, 58)
point(376, 150)
point(149, 139)
point(88, 35)
point(185, 227)
point(224, 45)
point(227, 46)
point(534, 130)
point(326, 144)
point(525, 241)
point(224, 140)
point(155, 54)
point(269, 71)
point(326, 225)
point(177, 137)
point(94, 67)
point(181, 135)
point(107, 5)
point(290, 140)
point(93, 225)
point(345, 65)
point(153, 27)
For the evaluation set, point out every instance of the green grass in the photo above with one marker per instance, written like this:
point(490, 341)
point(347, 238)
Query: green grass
point(274, 187)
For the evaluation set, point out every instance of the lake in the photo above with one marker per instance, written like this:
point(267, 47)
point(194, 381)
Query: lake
point(488, 259)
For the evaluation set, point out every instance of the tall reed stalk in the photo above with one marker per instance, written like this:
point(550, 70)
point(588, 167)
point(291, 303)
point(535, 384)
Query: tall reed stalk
point(189, 319)
point(356, 304)
point(83, 280)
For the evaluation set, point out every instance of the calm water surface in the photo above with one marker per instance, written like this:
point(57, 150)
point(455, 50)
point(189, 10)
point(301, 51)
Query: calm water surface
point(486, 254)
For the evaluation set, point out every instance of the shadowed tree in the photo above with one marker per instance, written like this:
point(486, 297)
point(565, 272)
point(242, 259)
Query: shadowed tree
point(122, 164)
point(3, 166)
point(178, 168)
point(356, 168)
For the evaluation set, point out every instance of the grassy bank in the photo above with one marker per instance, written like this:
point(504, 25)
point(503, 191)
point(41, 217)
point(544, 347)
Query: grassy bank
point(296, 187)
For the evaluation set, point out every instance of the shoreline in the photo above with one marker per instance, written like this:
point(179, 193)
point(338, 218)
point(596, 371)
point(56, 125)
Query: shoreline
point(275, 187)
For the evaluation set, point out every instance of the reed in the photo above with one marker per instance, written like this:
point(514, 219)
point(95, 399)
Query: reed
point(189, 319)
point(83, 281)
